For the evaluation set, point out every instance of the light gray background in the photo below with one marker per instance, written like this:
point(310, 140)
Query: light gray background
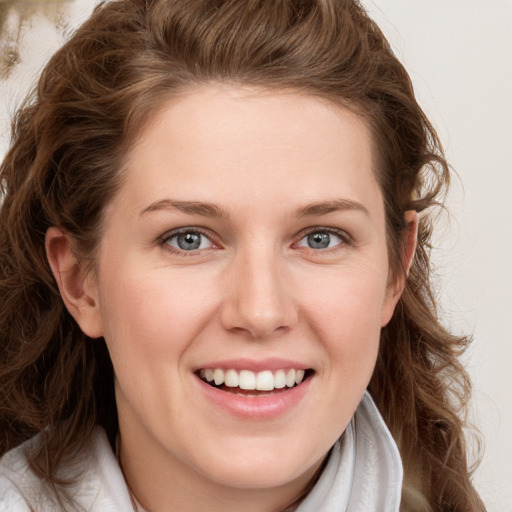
point(459, 55)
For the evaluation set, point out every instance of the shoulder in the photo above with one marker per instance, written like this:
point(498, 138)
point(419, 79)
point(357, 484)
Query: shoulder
point(99, 484)
point(11, 500)
point(15, 477)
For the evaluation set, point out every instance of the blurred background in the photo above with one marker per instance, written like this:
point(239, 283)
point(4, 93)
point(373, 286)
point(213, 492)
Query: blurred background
point(459, 55)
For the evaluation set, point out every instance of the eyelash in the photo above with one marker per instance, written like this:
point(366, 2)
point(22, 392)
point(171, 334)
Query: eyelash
point(345, 239)
point(164, 240)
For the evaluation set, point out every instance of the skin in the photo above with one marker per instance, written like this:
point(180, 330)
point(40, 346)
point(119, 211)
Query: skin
point(255, 289)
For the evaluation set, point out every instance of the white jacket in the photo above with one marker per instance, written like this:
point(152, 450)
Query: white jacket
point(363, 474)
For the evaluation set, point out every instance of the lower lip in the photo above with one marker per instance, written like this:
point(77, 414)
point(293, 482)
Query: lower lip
point(259, 407)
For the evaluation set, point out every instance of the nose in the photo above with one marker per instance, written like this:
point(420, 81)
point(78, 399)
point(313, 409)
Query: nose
point(258, 299)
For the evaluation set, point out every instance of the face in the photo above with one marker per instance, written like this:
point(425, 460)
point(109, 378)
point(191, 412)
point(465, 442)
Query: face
point(241, 285)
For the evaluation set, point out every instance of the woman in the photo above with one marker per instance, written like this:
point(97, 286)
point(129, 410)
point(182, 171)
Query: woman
point(215, 238)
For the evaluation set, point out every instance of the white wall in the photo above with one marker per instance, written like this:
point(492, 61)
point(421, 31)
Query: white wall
point(459, 54)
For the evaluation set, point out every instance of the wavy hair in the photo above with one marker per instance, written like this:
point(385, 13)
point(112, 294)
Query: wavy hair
point(63, 168)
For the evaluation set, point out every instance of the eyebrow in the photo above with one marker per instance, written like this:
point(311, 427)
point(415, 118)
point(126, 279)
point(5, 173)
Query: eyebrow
point(190, 207)
point(214, 211)
point(325, 207)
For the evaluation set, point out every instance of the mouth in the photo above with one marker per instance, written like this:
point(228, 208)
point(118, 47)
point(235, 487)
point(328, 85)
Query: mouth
point(249, 383)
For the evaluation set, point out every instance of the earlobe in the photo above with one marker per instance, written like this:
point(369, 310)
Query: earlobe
point(396, 288)
point(77, 289)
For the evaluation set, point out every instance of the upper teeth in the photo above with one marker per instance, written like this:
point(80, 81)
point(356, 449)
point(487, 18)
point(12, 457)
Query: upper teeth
point(245, 379)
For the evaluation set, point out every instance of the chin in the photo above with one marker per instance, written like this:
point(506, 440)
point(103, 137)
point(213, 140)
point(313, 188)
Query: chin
point(259, 469)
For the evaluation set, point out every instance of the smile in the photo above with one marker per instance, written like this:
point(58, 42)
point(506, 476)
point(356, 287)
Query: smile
point(255, 390)
point(248, 380)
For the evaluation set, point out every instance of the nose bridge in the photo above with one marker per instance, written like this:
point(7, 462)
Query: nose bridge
point(259, 299)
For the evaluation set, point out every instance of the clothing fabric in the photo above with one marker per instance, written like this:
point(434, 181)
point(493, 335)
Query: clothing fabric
point(364, 471)
point(363, 474)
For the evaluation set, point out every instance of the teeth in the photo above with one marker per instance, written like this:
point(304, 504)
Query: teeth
point(265, 381)
point(280, 379)
point(218, 376)
point(290, 378)
point(231, 379)
point(245, 379)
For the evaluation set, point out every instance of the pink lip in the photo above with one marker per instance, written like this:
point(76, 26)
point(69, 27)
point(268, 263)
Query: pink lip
point(260, 407)
point(272, 364)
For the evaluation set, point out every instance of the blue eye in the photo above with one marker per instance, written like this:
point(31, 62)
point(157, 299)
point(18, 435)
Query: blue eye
point(320, 240)
point(189, 241)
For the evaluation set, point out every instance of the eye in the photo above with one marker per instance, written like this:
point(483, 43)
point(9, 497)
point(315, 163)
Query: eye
point(321, 239)
point(189, 240)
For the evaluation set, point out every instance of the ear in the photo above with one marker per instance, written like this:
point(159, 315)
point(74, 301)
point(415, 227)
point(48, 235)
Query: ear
point(77, 288)
point(396, 287)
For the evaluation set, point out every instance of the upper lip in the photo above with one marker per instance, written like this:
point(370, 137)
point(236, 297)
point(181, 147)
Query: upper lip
point(254, 365)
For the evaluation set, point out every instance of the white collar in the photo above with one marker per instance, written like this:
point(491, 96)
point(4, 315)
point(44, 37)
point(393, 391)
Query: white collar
point(364, 472)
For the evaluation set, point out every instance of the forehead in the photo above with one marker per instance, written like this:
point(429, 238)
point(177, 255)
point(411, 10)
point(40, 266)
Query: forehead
point(238, 143)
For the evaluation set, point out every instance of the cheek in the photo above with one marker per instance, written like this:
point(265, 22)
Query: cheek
point(150, 321)
point(346, 315)
point(350, 300)
point(149, 317)
point(343, 317)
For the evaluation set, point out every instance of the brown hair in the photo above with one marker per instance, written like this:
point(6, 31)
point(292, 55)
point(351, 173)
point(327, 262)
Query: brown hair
point(63, 168)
